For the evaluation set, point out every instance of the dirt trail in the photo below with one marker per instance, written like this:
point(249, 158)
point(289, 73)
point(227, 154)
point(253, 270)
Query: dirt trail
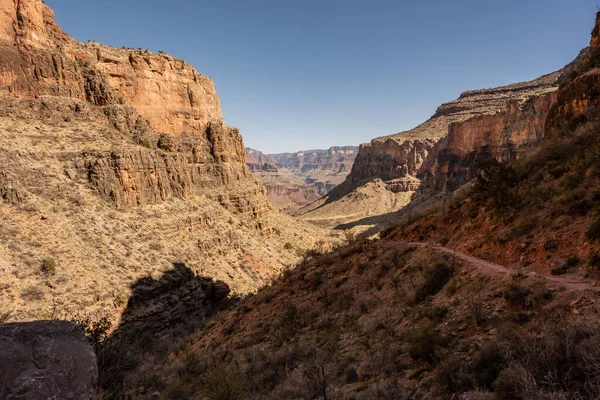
point(570, 283)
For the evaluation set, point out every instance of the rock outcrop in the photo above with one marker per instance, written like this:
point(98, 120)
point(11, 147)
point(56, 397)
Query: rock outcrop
point(46, 360)
point(176, 298)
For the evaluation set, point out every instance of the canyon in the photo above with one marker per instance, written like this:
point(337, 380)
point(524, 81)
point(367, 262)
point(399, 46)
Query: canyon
point(297, 179)
point(160, 258)
point(439, 155)
point(492, 294)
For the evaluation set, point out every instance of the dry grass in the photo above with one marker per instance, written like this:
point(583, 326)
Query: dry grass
point(100, 250)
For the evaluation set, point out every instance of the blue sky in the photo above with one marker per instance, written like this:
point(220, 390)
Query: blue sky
point(303, 74)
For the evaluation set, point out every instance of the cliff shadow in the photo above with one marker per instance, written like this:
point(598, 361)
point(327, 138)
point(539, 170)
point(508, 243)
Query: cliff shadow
point(159, 314)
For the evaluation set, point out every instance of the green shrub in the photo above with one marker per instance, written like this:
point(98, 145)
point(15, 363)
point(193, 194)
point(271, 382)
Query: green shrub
point(516, 295)
point(422, 342)
point(223, 383)
point(495, 181)
point(436, 278)
point(165, 142)
point(48, 266)
point(593, 231)
point(288, 246)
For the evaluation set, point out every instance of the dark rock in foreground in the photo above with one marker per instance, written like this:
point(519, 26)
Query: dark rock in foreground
point(46, 360)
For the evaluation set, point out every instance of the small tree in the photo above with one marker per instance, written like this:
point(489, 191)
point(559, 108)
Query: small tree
point(476, 307)
point(48, 266)
point(496, 181)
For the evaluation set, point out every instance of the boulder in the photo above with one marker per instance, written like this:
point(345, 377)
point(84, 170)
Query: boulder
point(46, 360)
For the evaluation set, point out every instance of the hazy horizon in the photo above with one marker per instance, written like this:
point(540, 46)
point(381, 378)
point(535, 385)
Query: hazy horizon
point(315, 74)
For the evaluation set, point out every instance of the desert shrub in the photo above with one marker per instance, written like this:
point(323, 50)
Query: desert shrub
point(593, 231)
point(436, 278)
point(516, 295)
point(33, 293)
point(515, 383)
point(48, 266)
point(451, 288)
point(594, 260)
point(223, 383)
point(5, 316)
point(165, 142)
point(436, 314)
point(550, 244)
point(422, 342)
point(495, 181)
point(288, 246)
point(476, 306)
point(177, 390)
point(487, 364)
point(562, 359)
point(452, 377)
point(350, 236)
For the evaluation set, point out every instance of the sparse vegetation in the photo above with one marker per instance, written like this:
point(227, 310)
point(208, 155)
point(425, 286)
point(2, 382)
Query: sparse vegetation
point(49, 266)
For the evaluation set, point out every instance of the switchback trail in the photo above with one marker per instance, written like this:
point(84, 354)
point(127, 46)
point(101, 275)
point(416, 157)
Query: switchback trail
point(567, 282)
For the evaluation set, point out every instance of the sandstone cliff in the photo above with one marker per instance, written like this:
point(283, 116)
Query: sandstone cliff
point(136, 91)
point(439, 155)
point(114, 164)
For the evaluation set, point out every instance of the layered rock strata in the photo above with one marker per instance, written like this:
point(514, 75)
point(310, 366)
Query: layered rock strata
point(298, 179)
point(440, 154)
point(134, 90)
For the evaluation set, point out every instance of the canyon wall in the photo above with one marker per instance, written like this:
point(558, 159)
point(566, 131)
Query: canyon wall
point(298, 179)
point(579, 96)
point(114, 165)
point(134, 91)
point(440, 154)
point(509, 134)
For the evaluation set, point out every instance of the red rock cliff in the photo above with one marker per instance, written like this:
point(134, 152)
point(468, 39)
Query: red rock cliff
point(579, 95)
point(133, 90)
point(501, 122)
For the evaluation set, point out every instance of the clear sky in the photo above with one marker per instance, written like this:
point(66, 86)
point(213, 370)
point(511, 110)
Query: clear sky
point(302, 74)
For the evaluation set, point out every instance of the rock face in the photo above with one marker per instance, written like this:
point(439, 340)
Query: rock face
point(439, 155)
point(298, 179)
point(39, 59)
point(507, 135)
point(579, 96)
point(46, 360)
point(135, 91)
